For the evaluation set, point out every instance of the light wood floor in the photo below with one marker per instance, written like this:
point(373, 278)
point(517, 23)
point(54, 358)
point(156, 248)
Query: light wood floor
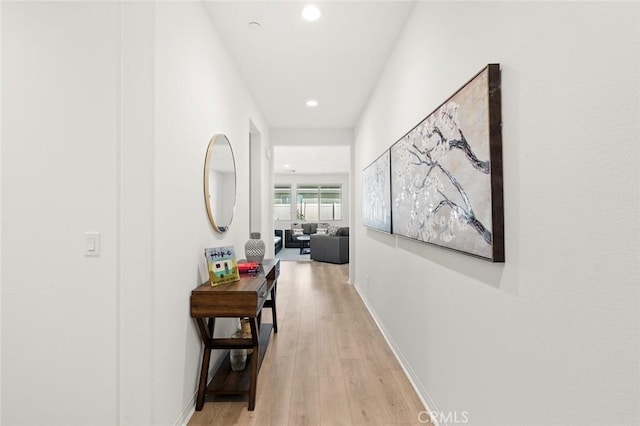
point(328, 364)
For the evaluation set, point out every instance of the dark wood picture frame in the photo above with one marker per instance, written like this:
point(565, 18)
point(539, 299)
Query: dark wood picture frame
point(446, 172)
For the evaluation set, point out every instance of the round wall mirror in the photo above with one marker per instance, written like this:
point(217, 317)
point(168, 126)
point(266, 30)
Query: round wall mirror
point(220, 183)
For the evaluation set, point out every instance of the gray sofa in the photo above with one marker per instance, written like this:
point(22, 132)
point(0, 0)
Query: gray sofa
point(331, 248)
point(291, 241)
point(277, 240)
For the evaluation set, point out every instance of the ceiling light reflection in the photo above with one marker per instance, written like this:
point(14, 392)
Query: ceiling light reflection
point(311, 13)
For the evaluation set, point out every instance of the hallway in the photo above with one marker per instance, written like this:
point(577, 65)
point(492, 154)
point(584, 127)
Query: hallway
point(329, 363)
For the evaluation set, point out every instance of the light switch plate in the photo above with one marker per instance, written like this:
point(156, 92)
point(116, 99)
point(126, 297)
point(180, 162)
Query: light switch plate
point(92, 244)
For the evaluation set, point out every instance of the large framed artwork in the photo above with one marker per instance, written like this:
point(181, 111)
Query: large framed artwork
point(376, 199)
point(446, 173)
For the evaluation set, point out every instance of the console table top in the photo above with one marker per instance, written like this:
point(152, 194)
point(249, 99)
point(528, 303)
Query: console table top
point(242, 298)
point(247, 282)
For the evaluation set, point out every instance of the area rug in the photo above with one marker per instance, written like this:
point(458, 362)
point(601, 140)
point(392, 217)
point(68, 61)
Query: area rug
point(292, 254)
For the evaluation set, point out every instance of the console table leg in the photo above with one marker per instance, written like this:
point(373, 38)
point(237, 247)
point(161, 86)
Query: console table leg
point(255, 335)
point(204, 372)
point(273, 308)
point(206, 334)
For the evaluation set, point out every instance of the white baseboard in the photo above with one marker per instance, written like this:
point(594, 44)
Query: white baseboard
point(187, 412)
point(422, 393)
point(190, 408)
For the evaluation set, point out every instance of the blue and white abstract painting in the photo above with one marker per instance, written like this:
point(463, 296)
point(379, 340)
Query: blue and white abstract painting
point(376, 199)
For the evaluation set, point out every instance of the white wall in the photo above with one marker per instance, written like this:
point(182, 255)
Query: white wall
point(107, 111)
point(314, 137)
point(198, 93)
point(551, 336)
point(136, 214)
point(257, 154)
point(294, 179)
point(60, 134)
point(1, 67)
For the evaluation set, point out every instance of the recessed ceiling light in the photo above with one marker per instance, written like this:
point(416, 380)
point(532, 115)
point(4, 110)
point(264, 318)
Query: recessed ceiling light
point(311, 13)
point(312, 103)
point(287, 166)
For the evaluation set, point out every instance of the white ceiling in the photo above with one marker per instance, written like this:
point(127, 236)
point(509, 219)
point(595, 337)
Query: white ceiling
point(336, 59)
point(315, 160)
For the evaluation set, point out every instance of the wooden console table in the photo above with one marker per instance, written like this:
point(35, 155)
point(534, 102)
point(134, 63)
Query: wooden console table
point(240, 299)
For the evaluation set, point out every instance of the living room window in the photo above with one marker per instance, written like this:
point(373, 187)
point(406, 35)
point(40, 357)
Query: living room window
point(331, 202)
point(317, 202)
point(282, 202)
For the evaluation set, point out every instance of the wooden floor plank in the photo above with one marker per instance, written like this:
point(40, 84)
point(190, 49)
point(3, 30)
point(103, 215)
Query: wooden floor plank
point(394, 406)
point(416, 408)
point(328, 355)
point(328, 365)
point(305, 401)
point(334, 403)
point(276, 396)
point(364, 403)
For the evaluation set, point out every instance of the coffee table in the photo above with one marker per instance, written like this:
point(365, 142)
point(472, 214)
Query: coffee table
point(305, 244)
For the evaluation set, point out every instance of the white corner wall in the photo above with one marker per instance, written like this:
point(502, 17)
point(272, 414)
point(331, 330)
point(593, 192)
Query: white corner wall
point(198, 93)
point(136, 214)
point(107, 111)
point(551, 336)
point(60, 100)
point(1, 67)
